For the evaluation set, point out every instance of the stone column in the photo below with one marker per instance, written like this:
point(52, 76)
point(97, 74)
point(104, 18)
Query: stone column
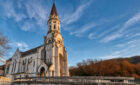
point(66, 68)
point(57, 66)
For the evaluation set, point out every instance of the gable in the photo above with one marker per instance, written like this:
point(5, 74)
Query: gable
point(17, 54)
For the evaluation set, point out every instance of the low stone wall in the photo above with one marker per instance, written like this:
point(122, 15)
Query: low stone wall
point(92, 80)
point(5, 83)
point(5, 80)
point(68, 83)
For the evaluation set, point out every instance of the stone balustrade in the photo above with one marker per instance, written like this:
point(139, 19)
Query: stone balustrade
point(76, 80)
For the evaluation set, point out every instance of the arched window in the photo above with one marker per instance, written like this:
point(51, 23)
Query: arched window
point(42, 72)
point(54, 27)
point(49, 41)
point(52, 73)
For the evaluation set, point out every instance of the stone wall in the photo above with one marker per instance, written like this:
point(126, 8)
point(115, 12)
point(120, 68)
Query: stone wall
point(72, 81)
point(67, 83)
point(76, 81)
point(5, 81)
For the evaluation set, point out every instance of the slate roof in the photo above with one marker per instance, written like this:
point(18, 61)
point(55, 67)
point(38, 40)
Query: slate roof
point(8, 59)
point(2, 67)
point(34, 50)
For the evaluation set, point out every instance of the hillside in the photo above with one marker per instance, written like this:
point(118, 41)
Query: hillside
point(134, 59)
point(127, 67)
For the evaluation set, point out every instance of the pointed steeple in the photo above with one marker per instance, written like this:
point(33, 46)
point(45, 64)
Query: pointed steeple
point(53, 21)
point(54, 11)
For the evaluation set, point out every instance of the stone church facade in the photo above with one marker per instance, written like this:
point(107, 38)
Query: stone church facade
point(49, 59)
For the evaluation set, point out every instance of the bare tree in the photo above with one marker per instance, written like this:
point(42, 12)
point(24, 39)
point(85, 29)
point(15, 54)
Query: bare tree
point(4, 46)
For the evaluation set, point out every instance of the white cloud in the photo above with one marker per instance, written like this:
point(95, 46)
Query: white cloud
point(37, 11)
point(122, 29)
point(11, 13)
point(93, 24)
point(131, 43)
point(132, 20)
point(107, 31)
point(108, 57)
point(2, 60)
point(129, 48)
point(32, 12)
point(110, 38)
point(137, 34)
point(77, 14)
point(133, 35)
point(126, 49)
point(21, 45)
point(91, 36)
point(84, 29)
point(89, 26)
point(26, 26)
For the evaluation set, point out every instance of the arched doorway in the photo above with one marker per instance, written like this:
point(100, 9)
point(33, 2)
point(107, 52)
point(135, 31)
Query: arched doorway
point(42, 72)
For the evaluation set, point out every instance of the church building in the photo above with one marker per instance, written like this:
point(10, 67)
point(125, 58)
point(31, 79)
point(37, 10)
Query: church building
point(49, 59)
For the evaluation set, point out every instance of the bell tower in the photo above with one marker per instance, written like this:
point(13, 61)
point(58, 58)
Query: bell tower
point(53, 22)
point(55, 57)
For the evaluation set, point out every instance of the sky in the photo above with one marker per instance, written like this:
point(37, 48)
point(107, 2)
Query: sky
point(92, 29)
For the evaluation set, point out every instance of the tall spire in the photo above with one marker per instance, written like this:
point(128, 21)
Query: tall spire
point(54, 11)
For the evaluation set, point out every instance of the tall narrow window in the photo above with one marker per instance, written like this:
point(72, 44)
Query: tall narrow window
point(27, 63)
point(49, 41)
point(42, 54)
point(52, 73)
point(34, 64)
point(54, 27)
point(50, 27)
point(15, 66)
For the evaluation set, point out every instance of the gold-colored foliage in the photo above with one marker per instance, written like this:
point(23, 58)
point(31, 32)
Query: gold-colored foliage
point(112, 67)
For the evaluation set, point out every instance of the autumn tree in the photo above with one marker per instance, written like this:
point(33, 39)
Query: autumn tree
point(112, 67)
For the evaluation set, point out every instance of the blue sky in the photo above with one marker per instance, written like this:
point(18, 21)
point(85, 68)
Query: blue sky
point(92, 29)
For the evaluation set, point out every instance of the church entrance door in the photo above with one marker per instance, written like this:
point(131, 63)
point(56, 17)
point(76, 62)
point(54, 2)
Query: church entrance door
point(42, 72)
